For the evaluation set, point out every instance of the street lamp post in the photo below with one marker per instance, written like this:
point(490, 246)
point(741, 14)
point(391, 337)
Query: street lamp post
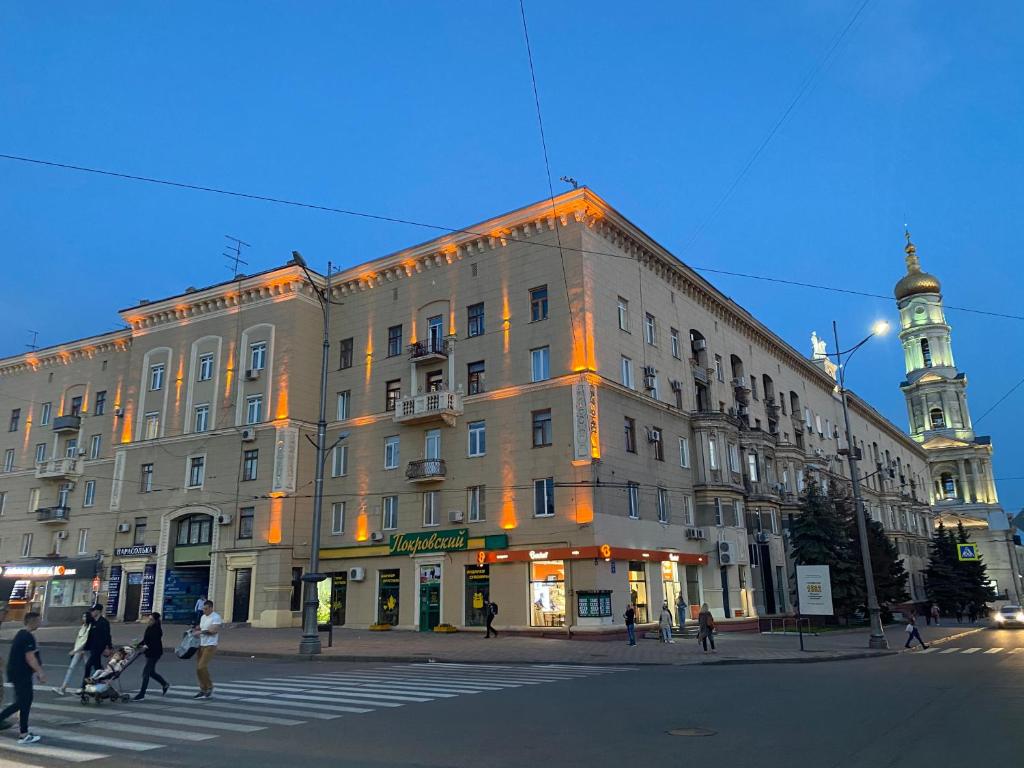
point(310, 643)
point(877, 639)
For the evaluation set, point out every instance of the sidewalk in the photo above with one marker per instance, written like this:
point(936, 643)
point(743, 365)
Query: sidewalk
point(471, 647)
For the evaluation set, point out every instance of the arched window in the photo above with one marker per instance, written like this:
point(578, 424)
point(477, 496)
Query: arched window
point(194, 529)
point(769, 388)
point(938, 422)
point(699, 348)
point(926, 353)
point(948, 486)
point(737, 368)
point(794, 403)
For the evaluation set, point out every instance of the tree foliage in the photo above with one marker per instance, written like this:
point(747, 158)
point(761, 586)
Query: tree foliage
point(950, 582)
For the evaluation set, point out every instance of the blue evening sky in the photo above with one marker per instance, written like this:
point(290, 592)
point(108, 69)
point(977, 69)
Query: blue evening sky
point(424, 110)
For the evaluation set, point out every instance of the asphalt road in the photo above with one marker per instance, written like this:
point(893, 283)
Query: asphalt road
point(944, 707)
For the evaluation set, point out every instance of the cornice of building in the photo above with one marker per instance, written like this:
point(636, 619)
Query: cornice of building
point(66, 353)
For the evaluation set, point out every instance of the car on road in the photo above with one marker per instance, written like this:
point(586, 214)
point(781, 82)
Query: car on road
point(1008, 616)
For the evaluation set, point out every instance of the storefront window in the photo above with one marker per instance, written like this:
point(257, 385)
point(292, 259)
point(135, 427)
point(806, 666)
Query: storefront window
point(693, 596)
point(638, 589)
point(387, 596)
point(547, 594)
point(670, 585)
point(478, 588)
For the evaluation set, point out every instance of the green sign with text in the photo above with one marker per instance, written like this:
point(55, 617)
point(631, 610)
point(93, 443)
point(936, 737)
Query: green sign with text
point(429, 541)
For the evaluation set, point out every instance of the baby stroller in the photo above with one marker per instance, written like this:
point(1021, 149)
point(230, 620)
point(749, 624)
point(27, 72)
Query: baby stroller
point(102, 684)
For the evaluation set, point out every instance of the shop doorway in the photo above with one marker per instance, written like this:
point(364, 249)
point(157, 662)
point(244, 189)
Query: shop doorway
point(240, 598)
point(694, 593)
point(638, 589)
point(726, 608)
point(769, 582)
point(430, 597)
point(670, 587)
point(132, 596)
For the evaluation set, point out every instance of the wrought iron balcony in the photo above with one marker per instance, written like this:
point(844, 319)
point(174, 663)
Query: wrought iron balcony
point(430, 406)
point(431, 349)
point(67, 423)
point(53, 514)
point(426, 470)
point(59, 469)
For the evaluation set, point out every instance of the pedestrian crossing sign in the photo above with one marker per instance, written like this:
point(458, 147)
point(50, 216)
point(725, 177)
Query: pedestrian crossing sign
point(967, 552)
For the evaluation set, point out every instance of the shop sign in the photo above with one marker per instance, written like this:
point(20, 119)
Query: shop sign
point(138, 551)
point(148, 582)
point(541, 555)
point(286, 446)
point(35, 571)
point(586, 444)
point(114, 590)
point(435, 541)
point(592, 605)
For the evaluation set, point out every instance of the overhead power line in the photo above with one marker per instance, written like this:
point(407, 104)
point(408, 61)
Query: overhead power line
point(458, 230)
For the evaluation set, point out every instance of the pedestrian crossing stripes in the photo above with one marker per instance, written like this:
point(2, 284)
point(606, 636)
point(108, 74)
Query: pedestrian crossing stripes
point(73, 733)
point(969, 651)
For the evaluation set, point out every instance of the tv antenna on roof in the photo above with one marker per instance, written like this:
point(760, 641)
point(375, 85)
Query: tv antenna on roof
point(35, 337)
point(234, 254)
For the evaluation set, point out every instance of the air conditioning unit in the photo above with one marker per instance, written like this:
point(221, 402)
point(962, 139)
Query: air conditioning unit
point(761, 537)
point(724, 548)
point(700, 345)
point(676, 385)
point(376, 536)
point(698, 534)
point(252, 374)
point(456, 516)
point(82, 451)
point(119, 412)
point(248, 435)
point(649, 382)
point(724, 558)
point(653, 435)
point(62, 535)
point(124, 527)
point(650, 371)
point(224, 519)
point(357, 573)
point(739, 383)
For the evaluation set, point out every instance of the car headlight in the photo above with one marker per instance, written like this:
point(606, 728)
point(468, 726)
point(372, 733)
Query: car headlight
point(1000, 617)
point(1020, 617)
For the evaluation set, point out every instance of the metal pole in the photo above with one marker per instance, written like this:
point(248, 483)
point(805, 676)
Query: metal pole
point(877, 639)
point(796, 592)
point(310, 643)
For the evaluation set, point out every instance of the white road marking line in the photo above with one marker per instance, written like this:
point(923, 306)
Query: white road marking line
point(77, 736)
point(370, 693)
point(1015, 650)
point(122, 727)
point(236, 727)
point(19, 764)
point(971, 650)
point(448, 683)
point(234, 705)
point(192, 695)
point(303, 698)
point(993, 650)
point(930, 649)
point(251, 718)
point(304, 705)
point(57, 753)
point(950, 650)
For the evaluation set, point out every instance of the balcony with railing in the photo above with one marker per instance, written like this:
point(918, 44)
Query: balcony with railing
point(426, 470)
point(761, 490)
point(440, 405)
point(53, 514)
point(429, 349)
point(700, 373)
point(59, 469)
point(67, 423)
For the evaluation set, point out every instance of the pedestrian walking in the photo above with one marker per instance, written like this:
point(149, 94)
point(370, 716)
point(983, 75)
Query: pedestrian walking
point(208, 633)
point(197, 610)
point(78, 653)
point(972, 611)
point(681, 611)
point(99, 641)
point(491, 609)
point(706, 628)
point(153, 649)
point(630, 618)
point(924, 611)
point(913, 632)
point(959, 613)
point(23, 662)
point(665, 622)
point(935, 613)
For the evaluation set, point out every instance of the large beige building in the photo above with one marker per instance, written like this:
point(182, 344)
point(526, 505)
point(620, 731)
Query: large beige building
point(547, 409)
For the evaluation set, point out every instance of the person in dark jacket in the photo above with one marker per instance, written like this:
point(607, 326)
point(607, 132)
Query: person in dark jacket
point(630, 618)
point(153, 645)
point(99, 641)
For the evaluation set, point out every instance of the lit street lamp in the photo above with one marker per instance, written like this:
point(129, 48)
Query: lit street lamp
point(877, 639)
point(310, 643)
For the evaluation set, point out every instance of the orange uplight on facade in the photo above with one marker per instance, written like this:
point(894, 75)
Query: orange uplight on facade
point(584, 512)
point(369, 353)
point(506, 318)
point(274, 523)
point(282, 396)
point(178, 381)
point(229, 374)
point(362, 526)
point(508, 503)
point(126, 425)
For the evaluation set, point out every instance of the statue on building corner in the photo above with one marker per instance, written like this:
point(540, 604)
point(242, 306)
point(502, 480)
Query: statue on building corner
point(817, 347)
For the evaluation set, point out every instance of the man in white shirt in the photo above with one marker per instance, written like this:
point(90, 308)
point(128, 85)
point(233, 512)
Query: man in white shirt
point(208, 631)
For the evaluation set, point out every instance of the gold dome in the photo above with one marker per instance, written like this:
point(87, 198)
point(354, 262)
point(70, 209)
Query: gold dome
point(915, 281)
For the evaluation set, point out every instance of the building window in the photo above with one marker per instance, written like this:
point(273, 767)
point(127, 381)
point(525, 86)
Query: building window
point(630, 428)
point(33, 500)
point(140, 531)
point(432, 444)
point(71, 450)
point(752, 469)
point(719, 369)
point(146, 478)
point(430, 508)
point(254, 409)
point(246, 517)
point(627, 373)
point(99, 403)
point(737, 514)
point(475, 503)
point(90, 494)
point(26, 545)
point(344, 404)
point(345, 353)
point(734, 458)
point(623, 314)
point(541, 428)
point(657, 443)
point(389, 506)
point(540, 363)
point(712, 452)
point(392, 394)
point(544, 497)
point(926, 353)
point(258, 356)
point(547, 594)
point(633, 500)
point(63, 492)
point(9, 460)
point(40, 453)
point(337, 517)
point(391, 450)
point(295, 604)
point(194, 530)
point(718, 511)
point(44, 414)
point(477, 438)
point(475, 319)
point(476, 377)
point(76, 405)
point(674, 337)
point(83, 540)
point(339, 463)
point(205, 367)
point(152, 426)
point(687, 510)
point(394, 341)
point(684, 453)
point(156, 377)
point(650, 329)
point(662, 505)
point(196, 471)
point(938, 420)
point(250, 464)
point(539, 303)
point(202, 418)
point(3, 502)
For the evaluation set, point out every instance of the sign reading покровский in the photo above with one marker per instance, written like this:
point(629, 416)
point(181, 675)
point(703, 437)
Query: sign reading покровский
point(434, 541)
